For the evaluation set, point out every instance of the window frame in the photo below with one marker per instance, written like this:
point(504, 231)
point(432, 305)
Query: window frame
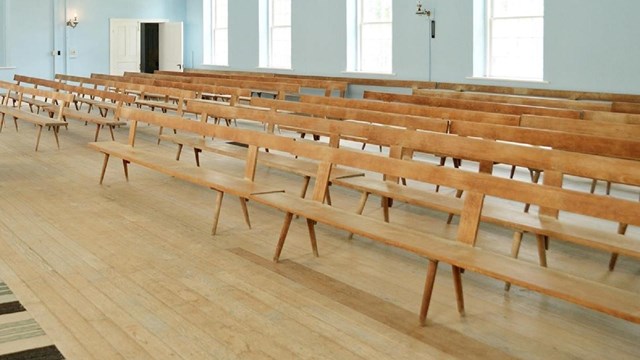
point(270, 29)
point(488, 38)
point(358, 27)
point(211, 27)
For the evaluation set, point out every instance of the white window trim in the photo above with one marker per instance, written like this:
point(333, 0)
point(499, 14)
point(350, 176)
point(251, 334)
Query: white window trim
point(488, 10)
point(358, 39)
point(270, 28)
point(214, 29)
point(209, 56)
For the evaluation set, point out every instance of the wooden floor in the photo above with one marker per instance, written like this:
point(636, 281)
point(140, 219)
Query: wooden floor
point(130, 270)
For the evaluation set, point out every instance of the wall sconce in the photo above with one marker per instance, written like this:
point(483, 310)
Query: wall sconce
point(421, 11)
point(72, 23)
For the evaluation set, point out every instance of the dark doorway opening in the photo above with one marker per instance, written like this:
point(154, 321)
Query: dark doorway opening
point(149, 45)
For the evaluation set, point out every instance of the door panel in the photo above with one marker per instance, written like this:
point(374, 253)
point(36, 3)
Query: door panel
point(171, 46)
point(124, 46)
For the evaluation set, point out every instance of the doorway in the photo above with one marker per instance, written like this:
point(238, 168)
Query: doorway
point(164, 48)
point(149, 47)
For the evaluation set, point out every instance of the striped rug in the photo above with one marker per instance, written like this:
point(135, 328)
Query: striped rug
point(20, 335)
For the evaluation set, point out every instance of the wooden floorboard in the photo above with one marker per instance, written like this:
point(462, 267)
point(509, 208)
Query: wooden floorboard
point(130, 270)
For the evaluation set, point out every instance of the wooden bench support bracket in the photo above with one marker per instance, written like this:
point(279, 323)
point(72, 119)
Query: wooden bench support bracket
point(432, 269)
point(216, 211)
point(283, 236)
point(312, 236)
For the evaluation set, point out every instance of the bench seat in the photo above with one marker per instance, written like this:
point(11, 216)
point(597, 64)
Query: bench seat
point(212, 179)
point(302, 167)
point(498, 215)
point(68, 113)
point(38, 120)
point(616, 302)
point(30, 101)
point(164, 105)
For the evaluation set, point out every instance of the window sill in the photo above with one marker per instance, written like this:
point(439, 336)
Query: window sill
point(273, 68)
point(486, 78)
point(368, 73)
point(214, 65)
point(7, 67)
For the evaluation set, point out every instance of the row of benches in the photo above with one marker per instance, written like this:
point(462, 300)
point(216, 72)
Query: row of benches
point(476, 186)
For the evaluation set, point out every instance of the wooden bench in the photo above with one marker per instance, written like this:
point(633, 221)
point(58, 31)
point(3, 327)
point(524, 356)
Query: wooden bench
point(102, 120)
point(38, 120)
point(221, 183)
point(518, 99)
point(417, 110)
point(302, 167)
point(460, 254)
point(344, 113)
point(484, 106)
point(329, 86)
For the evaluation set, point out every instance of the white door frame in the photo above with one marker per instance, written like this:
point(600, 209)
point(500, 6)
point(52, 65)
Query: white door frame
point(112, 45)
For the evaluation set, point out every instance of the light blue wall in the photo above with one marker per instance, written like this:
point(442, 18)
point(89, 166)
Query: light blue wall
point(589, 44)
point(91, 37)
point(37, 27)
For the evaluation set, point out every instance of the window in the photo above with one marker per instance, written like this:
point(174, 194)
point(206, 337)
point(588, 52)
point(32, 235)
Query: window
point(276, 34)
point(369, 36)
point(216, 36)
point(514, 39)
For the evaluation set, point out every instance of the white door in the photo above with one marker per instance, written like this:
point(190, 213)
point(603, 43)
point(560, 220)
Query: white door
point(124, 45)
point(171, 47)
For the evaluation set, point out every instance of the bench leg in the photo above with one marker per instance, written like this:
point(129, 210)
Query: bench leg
point(216, 212)
point(385, 208)
point(622, 229)
point(450, 217)
point(38, 136)
point(515, 250)
point(111, 132)
point(457, 283)
point(608, 187)
point(245, 211)
point(97, 132)
point(542, 252)
point(56, 129)
point(197, 152)
point(312, 236)
point(594, 182)
point(104, 167)
point(432, 269)
point(361, 205)
point(305, 186)
point(2, 121)
point(513, 171)
point(160, 134)
point(327, 196)
point(535, 177)
point(125, 165)
point(180, 146)
point(283, 236)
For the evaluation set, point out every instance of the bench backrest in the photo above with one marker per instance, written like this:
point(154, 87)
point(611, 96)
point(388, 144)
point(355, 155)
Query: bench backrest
point(80, 90)
point(475, 105)
point(518, 100)
point(281, 88)
point(575, 142)
point(418, 110)
point(563, 94)
point(377, 117)
point(607, 129)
